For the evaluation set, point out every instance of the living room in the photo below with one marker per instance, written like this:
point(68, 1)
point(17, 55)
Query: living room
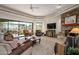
point(41, 23)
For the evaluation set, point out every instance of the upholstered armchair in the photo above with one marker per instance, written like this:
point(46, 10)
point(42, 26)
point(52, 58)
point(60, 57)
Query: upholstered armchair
point(26, 32)
point(38, 33)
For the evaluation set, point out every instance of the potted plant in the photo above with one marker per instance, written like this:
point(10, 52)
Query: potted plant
point(73, 51)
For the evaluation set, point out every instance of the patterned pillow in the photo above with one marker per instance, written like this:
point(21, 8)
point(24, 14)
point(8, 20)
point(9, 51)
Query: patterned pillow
point(8, 36)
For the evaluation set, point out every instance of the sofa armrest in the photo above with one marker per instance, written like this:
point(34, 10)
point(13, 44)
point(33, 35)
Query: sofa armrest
point(5, 48)
point(59, 49)
point(28, 51)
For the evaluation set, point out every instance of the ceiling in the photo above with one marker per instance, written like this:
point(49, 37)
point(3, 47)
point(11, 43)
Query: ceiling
point(39, 9)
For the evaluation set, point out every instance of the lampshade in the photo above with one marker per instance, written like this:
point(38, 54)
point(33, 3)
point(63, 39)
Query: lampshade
point(75, 30)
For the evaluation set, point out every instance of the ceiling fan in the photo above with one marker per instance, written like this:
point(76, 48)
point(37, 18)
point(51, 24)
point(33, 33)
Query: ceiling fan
point(32, 7)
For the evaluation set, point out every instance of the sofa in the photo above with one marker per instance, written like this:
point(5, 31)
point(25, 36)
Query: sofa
point(5, 49)
point(10, 45)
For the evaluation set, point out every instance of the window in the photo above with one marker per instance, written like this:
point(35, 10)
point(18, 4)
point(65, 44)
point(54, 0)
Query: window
point(3, 27)
point(13, 27)
point(22, 26)
point(29, 26)
point(39, 26)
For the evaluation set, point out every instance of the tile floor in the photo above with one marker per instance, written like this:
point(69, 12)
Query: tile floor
point(46, 47)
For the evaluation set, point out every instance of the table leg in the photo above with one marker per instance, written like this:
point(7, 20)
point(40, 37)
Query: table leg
point(39, 41)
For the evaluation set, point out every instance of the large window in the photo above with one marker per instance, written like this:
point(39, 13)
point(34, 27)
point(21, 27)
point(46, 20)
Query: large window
point(15, 27)
point(22, 26)
point(29, 26)
point(39, 26)
point(3, 26)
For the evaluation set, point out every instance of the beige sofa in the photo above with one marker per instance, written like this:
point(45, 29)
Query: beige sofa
point(24, 49)
point(7, 49)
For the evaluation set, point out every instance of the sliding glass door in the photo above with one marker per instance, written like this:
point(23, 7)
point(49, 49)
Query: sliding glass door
point(29, 26)
point(16, 27)
point(22, 26)
point(3, 26)
point(13, 27)
point(25, 26)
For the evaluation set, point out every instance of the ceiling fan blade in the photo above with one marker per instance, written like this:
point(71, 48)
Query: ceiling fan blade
point(32, 7)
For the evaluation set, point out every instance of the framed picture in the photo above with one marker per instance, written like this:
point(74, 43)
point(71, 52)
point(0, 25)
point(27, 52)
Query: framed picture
point(70, 20)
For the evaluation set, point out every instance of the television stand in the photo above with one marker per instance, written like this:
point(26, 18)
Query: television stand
point(51, 33)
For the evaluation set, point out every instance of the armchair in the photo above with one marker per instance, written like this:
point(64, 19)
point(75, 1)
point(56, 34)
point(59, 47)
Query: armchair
point(38, 33)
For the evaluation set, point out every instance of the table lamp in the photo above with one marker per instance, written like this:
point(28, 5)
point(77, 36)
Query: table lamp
point(75, 31)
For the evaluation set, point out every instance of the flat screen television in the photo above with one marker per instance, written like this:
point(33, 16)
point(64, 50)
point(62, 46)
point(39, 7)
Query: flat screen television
point(51, 26)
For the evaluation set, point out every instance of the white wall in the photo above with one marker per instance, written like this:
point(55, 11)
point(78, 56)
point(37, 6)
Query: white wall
point(56, 20)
